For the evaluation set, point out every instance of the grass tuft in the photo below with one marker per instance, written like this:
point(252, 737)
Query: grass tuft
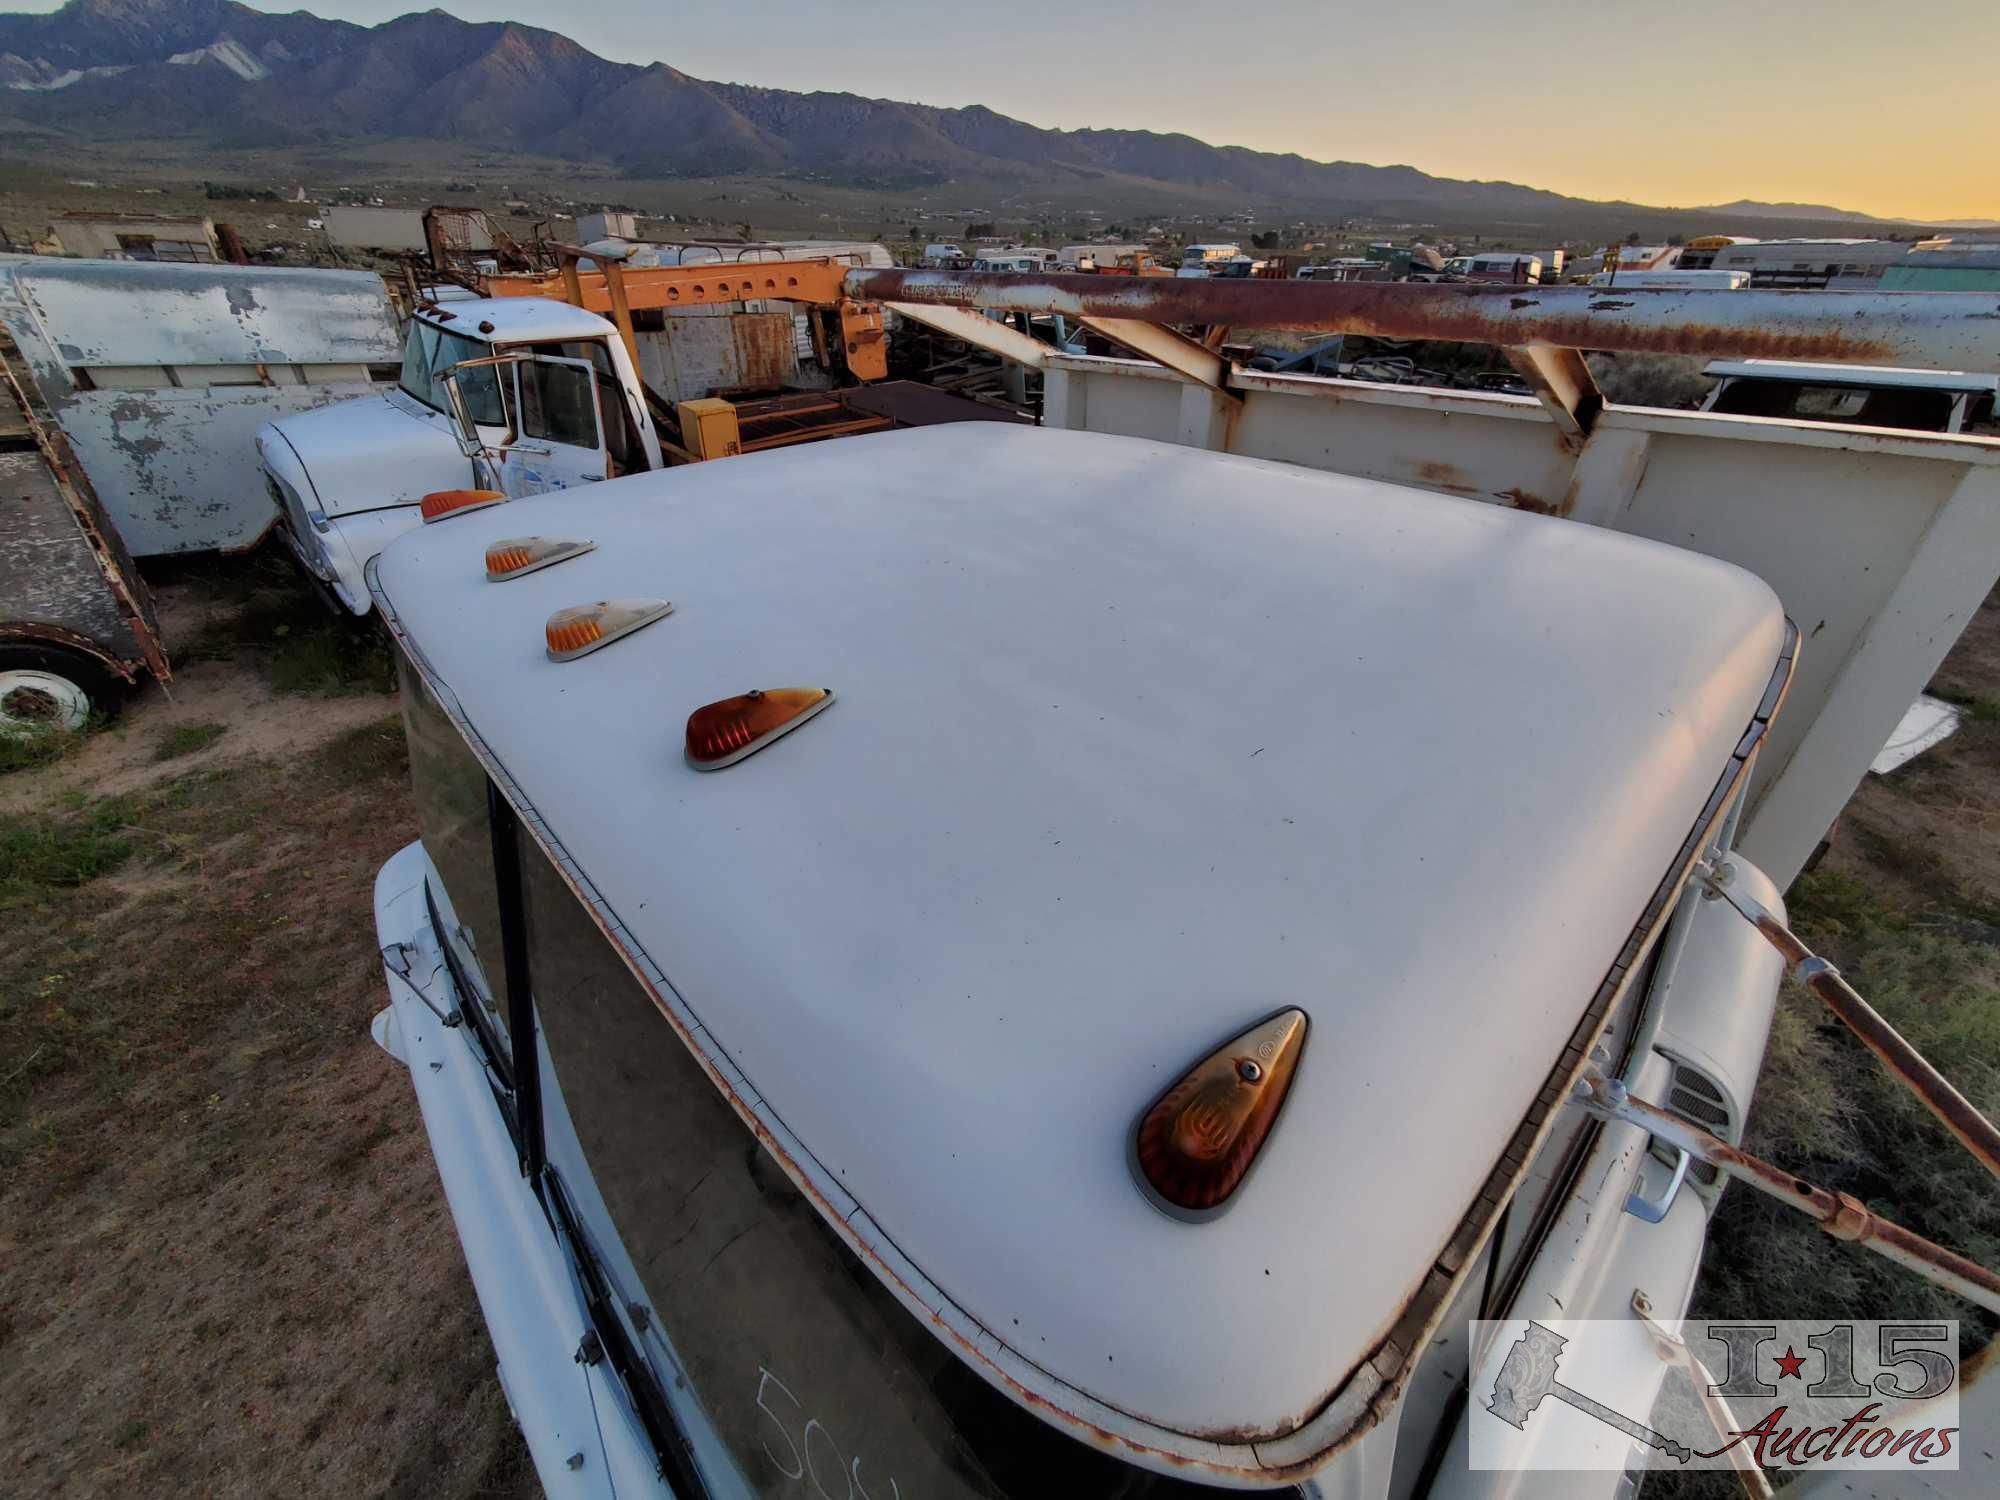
point(185, 739)
point(366, 753)
point(44, 852)
point(43, 745)
point(24, 749)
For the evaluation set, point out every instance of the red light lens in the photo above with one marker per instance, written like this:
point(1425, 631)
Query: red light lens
point(441, 503)
point(720, 734)
point(1197, 1142)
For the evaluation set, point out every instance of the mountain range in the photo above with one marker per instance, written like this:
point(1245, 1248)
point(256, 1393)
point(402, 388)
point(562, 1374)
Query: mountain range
point(211, 73)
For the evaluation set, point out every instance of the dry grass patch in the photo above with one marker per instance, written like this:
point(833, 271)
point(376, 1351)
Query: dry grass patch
point(228, 1267)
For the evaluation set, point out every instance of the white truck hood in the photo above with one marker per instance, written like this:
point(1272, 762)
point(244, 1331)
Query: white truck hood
point(1133, 744)
point(373, 452)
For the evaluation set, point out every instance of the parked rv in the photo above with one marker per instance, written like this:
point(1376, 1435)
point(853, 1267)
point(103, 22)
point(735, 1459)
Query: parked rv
point(1512, 267)
point(836, 1265)
point(1833, 264)
point(1860, 395)
point(997, 261)
point(1096, 257)
point(160, 375)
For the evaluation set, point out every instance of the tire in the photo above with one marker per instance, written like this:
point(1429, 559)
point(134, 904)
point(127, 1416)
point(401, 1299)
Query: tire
point(48, 687)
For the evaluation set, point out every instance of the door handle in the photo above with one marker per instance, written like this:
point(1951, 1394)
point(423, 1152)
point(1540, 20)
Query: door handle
point(1654, 1210)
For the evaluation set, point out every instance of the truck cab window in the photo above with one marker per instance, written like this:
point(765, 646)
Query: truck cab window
point(557, 404)
point(430, 351)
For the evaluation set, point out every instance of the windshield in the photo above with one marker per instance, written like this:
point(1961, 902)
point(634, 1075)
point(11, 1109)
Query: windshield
point(429, 351)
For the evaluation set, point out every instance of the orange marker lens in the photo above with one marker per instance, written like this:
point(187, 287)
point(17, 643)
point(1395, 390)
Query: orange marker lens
point(720, 734)
point(441, 503)
point(580, 630)
point(529, 554)
point(1196, 1144)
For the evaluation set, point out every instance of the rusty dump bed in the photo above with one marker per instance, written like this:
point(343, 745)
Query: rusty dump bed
point(65, 577)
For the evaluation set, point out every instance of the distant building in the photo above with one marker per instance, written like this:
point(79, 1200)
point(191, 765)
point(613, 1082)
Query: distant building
point(353, 226)
point(98, 236)
point(606, 226)
point(408, 231)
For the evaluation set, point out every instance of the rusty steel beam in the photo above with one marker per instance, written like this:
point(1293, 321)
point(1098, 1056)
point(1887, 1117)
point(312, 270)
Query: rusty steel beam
point(1563, 383)
point(1941, 330)
point(1159, 343)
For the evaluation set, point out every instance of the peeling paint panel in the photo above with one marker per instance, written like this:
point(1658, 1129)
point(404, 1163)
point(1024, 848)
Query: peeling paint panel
point(160, 376)
point(177, 470)
point(151, 313)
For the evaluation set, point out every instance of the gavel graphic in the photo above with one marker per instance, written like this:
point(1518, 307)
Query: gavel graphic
point(1529, 1373)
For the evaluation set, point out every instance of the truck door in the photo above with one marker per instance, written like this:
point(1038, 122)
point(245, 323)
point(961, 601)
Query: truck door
point(560, 441)
point(555, 425)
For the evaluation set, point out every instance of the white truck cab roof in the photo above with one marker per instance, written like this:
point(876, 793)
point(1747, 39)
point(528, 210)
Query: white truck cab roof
point(1132, 745)
point(517, 320)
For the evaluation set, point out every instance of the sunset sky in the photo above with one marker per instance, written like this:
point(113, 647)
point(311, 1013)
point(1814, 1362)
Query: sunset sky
point(1852, 103)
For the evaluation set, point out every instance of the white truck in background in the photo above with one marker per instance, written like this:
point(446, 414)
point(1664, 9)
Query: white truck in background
point(567, 408)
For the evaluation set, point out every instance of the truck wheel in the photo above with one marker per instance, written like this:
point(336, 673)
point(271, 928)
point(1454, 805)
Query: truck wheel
point(47, 687)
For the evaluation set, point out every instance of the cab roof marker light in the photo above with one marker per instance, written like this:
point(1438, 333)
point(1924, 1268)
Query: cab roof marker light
point(518, 556)
point(720, 734)
point(441, 503)
point(1196, 1143)
point(582, 628)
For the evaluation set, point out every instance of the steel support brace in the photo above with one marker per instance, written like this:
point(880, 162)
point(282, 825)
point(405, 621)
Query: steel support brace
point(995, 338)
point(1161, 344)
point(1563, 383)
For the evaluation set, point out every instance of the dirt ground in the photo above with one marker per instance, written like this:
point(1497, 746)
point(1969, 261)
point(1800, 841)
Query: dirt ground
point(226, 1267)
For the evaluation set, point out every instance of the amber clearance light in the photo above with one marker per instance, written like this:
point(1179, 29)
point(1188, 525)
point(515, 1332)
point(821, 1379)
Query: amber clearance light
point(520, 555)
point(1196, 1144)
point(582, 628)
point(720, 734)
point(441, 503)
